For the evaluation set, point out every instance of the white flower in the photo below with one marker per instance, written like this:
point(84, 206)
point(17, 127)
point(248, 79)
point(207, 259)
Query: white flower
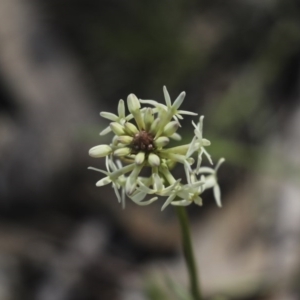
point(201, 142)
point(169, 108)
point(115, 175)
point(211, 181)
point(121, 118)
point(140, 141)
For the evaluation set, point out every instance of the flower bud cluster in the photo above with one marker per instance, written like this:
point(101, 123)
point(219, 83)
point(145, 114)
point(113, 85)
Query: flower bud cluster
point(139, 142)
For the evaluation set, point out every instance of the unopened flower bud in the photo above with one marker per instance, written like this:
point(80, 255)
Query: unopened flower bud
point(125, 139)
point(130, 128)
point(100, 151)
point(122, 151)
point(171, 128)
point(155, 126)
point(139, 158)
point(161, 142)
point(134, 107)
point(175, 136)
point(148, 118)
point(133, 103)
point(153, 160)
point(117, 128)
point(121, 109)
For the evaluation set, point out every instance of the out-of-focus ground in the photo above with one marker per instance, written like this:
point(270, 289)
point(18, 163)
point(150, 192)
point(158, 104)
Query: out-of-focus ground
point(61, 62)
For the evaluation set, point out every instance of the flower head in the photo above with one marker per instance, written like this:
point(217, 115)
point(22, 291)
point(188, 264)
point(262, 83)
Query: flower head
point(140, 140)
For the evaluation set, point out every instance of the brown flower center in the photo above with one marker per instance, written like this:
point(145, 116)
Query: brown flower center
point(142, 141)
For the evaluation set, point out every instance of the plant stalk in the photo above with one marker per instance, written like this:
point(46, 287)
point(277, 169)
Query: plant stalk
point(188, 252)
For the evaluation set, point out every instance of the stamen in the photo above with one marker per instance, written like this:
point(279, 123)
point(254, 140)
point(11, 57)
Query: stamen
point(143, 141)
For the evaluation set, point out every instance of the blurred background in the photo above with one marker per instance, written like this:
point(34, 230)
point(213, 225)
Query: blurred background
point(64, 61)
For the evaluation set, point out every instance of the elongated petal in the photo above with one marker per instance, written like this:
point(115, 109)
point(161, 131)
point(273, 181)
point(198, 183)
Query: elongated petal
point(208, 156)
point(131, 181)
point(188, 171)
point(105, 131)
point(168, 190)
point(197, 184)
point(168, 201)
point(154, 103)
point(107, 163)
point(186, 112)
point(122, 171)
point(219, 164)
point(205, 142)
point(121, 109)
point(217, 195)
point(181, 203)
point(167, 97)
point(198, 201)
point(176, 117)
point(179, 100)
point(117, 193)
point(143, 188)
point(199, 128)
point(157, 182)
point(210, 181)
point(138, 196)
point(109, 116)
point(206, 170)
point(98, 170)
point(146, 202)
point(175, 157)
point(103, 181)
point(199, 161)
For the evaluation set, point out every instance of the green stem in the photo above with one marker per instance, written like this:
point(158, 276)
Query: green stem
point(188, 252)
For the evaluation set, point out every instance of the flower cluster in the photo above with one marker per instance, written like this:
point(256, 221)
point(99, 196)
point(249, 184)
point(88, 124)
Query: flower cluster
point(139, 142)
